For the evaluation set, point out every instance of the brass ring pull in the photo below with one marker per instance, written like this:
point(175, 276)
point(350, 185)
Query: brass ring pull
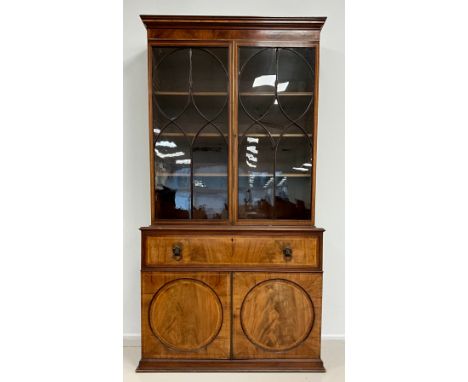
point(287, 253)
point(177, 252)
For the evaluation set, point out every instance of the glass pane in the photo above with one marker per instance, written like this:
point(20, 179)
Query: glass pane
point(191, 124)
point(296, 73)
point(210, 157)
point(209, 70)
point(276, 101)
point(256, 156)
point(210, 85)
point(257, 81)
point(293, 176)
point(295, 70)
point(171, 69)
point(172, 169)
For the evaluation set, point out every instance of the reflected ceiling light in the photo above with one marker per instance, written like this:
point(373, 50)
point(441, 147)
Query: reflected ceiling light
point(276, 102)
point(169, 155)
point(182, 161)
point(300, 169)
point(282, 86)
point(252, 149)
point(251, 157)
point(250, 164)
point(267, 80)
point(252, 140)
point(307, 165)
point(166, 144)
point(157, 131)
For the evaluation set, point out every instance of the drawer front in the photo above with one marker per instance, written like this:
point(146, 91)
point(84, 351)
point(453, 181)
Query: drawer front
point(276, 315)
point(235, 250)
point(196, 250)
point(286, 251)
point(186, 315)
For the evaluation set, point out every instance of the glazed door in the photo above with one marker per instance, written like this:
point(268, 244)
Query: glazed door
point(190, 133)
point(275, 127)
point(277, 315)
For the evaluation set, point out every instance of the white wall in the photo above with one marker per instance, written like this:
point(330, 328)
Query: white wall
point(330, 170)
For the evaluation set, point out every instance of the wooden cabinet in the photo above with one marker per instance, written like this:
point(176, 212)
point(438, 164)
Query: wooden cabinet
point(231, 271)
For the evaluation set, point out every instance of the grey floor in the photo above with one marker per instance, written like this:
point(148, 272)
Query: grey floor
point(332, 356)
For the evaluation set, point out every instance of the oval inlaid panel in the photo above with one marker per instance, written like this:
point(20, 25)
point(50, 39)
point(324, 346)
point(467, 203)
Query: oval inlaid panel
point(277, 315)
point(186, 314)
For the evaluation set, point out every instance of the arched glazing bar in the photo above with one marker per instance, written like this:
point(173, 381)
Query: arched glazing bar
point(291, 123)
point(190, 107)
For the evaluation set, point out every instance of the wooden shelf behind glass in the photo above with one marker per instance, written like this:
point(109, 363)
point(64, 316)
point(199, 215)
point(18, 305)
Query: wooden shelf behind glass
point(213, 174)
point(215, 135)
point(292, 175)
point(247, 94)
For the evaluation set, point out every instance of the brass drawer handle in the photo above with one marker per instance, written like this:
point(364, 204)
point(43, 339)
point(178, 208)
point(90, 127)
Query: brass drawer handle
point(287, 253)
point(177, 252)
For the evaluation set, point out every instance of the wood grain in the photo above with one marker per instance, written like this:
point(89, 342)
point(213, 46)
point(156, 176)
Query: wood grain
point(277, 315)
point(186, 315)
point(231, 250)
point(269, 250)
point(172, 22)
point(232, 365)
point(232, 229)
point(195, 250)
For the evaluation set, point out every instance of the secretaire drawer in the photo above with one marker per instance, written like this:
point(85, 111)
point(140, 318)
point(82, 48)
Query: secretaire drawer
point(235, 250)
point(183, 250)
point(255, 250)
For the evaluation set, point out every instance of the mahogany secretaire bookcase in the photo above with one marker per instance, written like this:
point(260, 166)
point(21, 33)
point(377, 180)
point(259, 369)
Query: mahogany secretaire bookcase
point(231, 266)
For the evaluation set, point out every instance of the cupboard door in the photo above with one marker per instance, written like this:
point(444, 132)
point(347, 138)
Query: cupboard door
point(190, 111)
point(186, 315)
point(275, 126)
point(277, 315)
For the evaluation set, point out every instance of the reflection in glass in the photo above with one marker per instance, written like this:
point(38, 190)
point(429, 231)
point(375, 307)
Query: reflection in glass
point(293, 176)
point(295, 67)
point(210, 158)
point(256, 157)
point(172, 169)
point(190, 98)
point(276, 107)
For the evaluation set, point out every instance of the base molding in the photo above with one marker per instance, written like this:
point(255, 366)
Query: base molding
point(230, 365)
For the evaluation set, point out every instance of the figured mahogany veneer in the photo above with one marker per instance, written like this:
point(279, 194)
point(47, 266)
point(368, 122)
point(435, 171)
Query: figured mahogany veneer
point(230, 250)
point(186, 315)
point(277, 315)
point(230, 293)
